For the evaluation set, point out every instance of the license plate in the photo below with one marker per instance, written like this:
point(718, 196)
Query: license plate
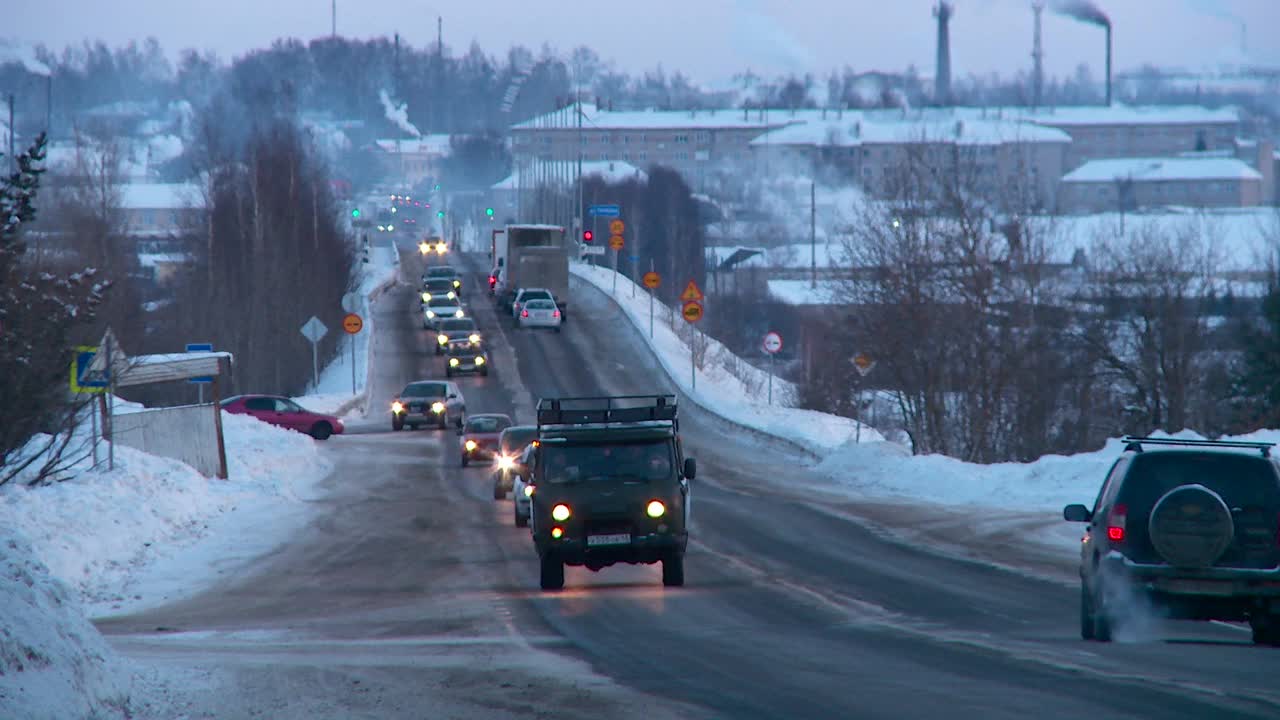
point(620, 539)
point(1196, 587)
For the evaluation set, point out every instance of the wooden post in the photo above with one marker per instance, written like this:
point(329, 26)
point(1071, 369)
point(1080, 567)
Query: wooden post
point(217, 417)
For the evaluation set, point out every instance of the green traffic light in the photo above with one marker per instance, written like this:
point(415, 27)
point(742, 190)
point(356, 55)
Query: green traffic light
point(437, 186)
point(440, 214)
point(355, 212)
point(488, 211)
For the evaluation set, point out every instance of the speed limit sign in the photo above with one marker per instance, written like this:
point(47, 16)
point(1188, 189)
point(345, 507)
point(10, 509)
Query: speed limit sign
point(772, 342)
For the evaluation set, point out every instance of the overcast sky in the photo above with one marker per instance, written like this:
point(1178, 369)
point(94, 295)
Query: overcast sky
point(707, 39)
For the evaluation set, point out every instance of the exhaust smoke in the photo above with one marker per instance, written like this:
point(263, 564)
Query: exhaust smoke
point(397, 114)
point(1087, 12)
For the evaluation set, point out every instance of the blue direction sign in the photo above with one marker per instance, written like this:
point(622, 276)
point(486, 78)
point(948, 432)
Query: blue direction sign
point(604, 210)
point(81, 362)
point(200, 347)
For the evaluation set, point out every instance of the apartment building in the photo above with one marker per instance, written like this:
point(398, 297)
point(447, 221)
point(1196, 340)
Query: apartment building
point(413, 159)
point(1130, 183)
point(1121, 131)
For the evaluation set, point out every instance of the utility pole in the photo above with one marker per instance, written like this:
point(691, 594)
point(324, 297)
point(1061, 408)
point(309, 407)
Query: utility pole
point(333, 13)
point(813, 235)
point(13, 167)
point(582, 222)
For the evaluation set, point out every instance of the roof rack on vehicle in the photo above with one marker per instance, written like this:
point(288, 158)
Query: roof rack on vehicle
point(607, 410)
point(1134, 444)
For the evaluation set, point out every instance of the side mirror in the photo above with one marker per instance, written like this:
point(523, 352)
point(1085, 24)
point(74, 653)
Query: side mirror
point(690, 468)
point(1076, 513)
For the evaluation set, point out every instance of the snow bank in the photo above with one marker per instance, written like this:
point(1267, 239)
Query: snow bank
point(726, 385)
point(53, 663)
point(96, 530)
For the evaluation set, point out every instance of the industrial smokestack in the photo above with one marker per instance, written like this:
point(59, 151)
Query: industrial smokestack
point(942, 81)
point(1085, 11)
point(1037, 57)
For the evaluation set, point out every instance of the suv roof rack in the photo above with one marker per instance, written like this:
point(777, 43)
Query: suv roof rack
point(1134, 444)
point(607, 410)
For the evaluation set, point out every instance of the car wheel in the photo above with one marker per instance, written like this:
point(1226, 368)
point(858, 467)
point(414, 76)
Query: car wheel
point(552, 573)
point(484, 372)
point(321, 431)
point(1102, 622)
point(557, 328)
point(498, 492)
point(397, 424)
point(521, 518)
point(1086, 614)
point(673, 569)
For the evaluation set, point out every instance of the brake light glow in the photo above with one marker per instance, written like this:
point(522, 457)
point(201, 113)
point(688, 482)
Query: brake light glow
point(1116, 522)
point(524, 313)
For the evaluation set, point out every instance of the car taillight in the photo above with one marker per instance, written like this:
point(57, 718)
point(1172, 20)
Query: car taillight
point(1116, 521)
point(492, 280)
point(524, 313)
point(555, 313)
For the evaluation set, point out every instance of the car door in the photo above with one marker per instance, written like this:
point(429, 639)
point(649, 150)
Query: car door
point(456, 404)
point(263, 408)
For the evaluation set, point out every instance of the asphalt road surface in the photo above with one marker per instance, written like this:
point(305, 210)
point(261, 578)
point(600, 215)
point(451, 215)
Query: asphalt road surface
point(412, 594)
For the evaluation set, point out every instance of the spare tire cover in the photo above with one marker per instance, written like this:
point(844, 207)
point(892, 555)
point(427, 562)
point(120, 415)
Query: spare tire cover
point(1191, 526)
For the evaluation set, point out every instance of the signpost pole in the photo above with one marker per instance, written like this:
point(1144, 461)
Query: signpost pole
point(315, 368)
point(770, 378)
point(93, 422)
point(200, 393)
point(615, 273)
point(650, 303)
point(693, 364)
point(110, 428)
point(353, 364)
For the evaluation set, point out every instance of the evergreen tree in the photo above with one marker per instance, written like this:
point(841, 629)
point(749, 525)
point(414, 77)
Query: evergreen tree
point(1259, 381)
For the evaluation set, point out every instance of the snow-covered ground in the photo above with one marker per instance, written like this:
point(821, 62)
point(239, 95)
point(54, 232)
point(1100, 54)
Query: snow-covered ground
point(334, 393)
point(726, 385)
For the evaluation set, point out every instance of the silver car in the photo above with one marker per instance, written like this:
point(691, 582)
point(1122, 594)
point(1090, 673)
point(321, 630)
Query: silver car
point(524, 295)
point(540, 313)
point(428, 402)
point(441, 308)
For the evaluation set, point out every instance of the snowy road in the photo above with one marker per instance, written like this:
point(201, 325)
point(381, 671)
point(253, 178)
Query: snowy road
point(412, 595)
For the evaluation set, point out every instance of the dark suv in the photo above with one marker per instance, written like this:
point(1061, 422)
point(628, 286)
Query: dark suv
point(1190, 533)
point(610, 485)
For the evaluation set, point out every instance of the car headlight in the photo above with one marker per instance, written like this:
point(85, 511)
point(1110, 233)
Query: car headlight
point(557, 533)
point(437, 407)
point(397, 407)
point(655, 509)
point(473, 337)
point(506, 462)
point(560, 512)
point(453, 362)
point(391, 227)
point(457, 283)
point(442, 248)
point(479, 359)
point(528, 491)
point(442, 339)
point(431, 314)
point(426, 296)
point(459, 314)
point(423, 248)
point(452, 295)
point(470, 445)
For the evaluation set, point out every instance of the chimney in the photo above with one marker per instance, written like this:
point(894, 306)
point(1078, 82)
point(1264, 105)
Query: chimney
point(1037, 57)
point(1108, 64)
point(942, 79)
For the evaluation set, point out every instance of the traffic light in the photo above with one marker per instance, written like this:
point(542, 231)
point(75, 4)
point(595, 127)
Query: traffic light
point(440, 214)
point(488, 211)
point(355, 213)
point(588, 236)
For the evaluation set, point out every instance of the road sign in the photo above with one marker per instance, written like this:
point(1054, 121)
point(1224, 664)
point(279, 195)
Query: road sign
point(692, 311)
point(863, 363)
point(604, 210)
point(617, 226)
point(691, 293)
point(592, 249)
point(652, 280)
point(313, 329)
point(200, 347)
point(352, 323)
point(772, 342)
point(616, 242)
point(79, 364)
point(351, 302)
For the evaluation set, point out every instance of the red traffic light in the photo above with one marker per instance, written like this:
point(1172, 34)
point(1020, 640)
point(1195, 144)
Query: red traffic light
point(588, 236)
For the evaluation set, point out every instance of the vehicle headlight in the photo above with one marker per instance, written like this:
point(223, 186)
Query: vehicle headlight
point(426, 296)
point(655, 509)
point(528, 491)
point(423, 248)
point(470, 445)
point(397, 407)
point(457, 283)
point(557, 533)
point(560, 513)
point(453, 362)
point(459, 314)
point(453, 295)
point(391, 227)
point(442, 339)
point(442, 248)
point(473, 337)
point(479, 359)
point(506, 462)
point(437, 407)
point(431, 313)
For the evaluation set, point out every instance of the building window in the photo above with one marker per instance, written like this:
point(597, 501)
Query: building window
point(605, 139)
point(682, 155)
point(702, 155)
point(682, 139)
point(643, 156)
point(626, 139)
point(703, 138)
point(546, 140)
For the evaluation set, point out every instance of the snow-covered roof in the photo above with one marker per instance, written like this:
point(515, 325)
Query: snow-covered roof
point(151, 260)
point(802, 255)
point(435, 144)
point(593, 119)
point(1129, 115)
point(854, 130)
point(612, 171)
point(1155, 169)
point(159, 196)
point(803, 292)
point(737, 256)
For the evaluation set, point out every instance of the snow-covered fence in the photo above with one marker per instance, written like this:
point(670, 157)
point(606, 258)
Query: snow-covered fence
point(185, 433)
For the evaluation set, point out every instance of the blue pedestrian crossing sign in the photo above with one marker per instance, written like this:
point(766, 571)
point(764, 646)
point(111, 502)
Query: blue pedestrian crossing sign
point(80, 362)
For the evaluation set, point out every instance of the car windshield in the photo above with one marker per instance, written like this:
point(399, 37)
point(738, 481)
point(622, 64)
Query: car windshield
point(530, 295)
point(463, 348)
point(485, 424)
point(423, 389)
point(442, 302)
point(514, 439)
point(438, 286)
point(458, 325)
point(641, 461)
point(540, 305)
point(442, 271)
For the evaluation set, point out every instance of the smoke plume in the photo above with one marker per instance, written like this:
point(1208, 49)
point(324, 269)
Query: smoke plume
point(14, 51)
point(1081, 10)
point(397, 114)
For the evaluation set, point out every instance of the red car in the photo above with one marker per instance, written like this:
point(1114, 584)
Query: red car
point(480, 436)
point(285, 413)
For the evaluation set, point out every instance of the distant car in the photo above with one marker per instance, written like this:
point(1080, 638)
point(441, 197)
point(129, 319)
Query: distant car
point(285, 413)
point(428, 402)
point(480, 436)
point(1190, 529)
point(436, 287)
point(521, 488)
point(444, 272)
point(540, 313)
point(466, 357)
point(456, 330)
point(524, 295)
point(436, 310)
point(510, 445)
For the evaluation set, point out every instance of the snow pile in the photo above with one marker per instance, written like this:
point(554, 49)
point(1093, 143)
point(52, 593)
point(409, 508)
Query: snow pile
point(726, 385)
point(98, 529)
point(53, 663)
